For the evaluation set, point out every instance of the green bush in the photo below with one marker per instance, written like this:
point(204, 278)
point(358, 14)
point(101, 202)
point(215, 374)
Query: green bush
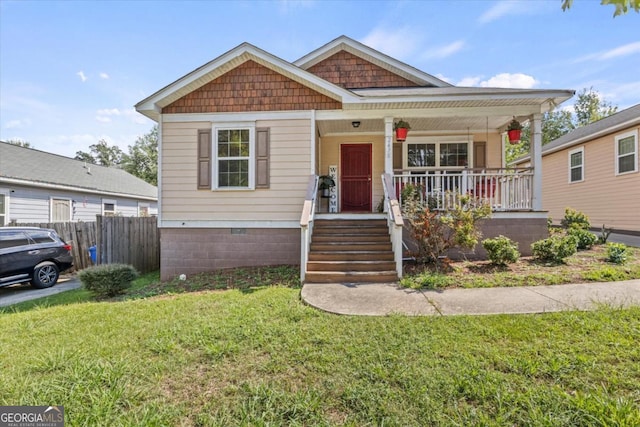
point(501, 250)
point(108, 280)
point(555, 248)
point(585, 238)
point(617, 253)
point(574, 219)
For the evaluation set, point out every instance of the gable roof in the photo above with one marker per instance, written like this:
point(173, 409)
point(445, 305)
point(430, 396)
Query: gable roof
point(620, 120)
point(344, 43)
point(27, 166)
point(467, 108)
point(152, 105)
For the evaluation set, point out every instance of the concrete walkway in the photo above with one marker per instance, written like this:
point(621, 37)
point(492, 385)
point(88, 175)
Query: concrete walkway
point(19, 293)
point(385, 299)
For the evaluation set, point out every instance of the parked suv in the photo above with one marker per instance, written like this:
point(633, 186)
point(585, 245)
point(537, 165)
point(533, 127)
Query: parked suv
point(31, 254)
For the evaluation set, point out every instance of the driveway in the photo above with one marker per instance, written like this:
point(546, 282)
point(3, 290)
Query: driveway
point(18, 293)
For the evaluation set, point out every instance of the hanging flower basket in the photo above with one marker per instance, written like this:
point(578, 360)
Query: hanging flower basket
point(402, 128)
point(514, 136)
point(514, 131)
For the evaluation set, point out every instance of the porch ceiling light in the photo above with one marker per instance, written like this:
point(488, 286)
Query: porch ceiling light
point(355, 124)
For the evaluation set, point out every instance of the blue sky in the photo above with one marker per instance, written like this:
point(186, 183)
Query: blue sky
point(71, 71)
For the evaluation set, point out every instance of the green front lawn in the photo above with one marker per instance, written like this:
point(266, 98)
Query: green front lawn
point(258, 356)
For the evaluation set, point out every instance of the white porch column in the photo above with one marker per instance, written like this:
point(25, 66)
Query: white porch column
point(388, 145)
point(535, 146)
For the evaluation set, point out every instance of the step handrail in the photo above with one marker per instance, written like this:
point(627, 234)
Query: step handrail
point(395, 222)
point(306, 223)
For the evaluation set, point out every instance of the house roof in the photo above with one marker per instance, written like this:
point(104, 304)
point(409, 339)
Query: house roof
point(344, 43)
point(613, 123)
point(27, 166)
point(454, 107)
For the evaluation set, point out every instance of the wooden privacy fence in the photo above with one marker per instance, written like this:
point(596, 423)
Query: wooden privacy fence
point(80, 235)
point(128, 240)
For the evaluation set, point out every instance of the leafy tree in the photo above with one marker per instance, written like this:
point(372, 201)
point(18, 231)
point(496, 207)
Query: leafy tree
point(101, 154)
point(142, 159)
point(622, 6)
point(590, 108)
point(20, 143)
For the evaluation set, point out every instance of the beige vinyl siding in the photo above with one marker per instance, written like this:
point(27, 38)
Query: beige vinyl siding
point(289, 166)
point(603, 196)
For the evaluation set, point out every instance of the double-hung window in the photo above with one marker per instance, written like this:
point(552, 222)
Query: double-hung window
point(576, 165)
point(627, 153)
point(437, 152)
point(233, 166)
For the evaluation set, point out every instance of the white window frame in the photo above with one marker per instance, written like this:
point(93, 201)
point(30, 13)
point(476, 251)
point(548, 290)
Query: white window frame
point(51, 199)
point(251, 126)
point(438, 140)
point(581, 166)
point(111, 201)
point(626, 135)
point(6, 193)
point(142, 205)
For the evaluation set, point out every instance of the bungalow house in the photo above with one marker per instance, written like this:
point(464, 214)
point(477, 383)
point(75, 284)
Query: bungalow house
point(244, 138)
point(595, 169)
point(40, 187)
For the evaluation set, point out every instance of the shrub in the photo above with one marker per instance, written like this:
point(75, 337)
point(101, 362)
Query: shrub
point(585, 238)
point(617, 253)
point(501, 250)
point(436, 232)
point(604, 235)
point(108, 280)
point(574, 219)
point(555, 248)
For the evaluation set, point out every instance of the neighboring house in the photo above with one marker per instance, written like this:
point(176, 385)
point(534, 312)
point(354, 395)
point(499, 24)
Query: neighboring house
point(37, 187)
point(243, 138)
point(595, 169)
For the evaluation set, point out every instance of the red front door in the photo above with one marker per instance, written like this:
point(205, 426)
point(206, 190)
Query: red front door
point(355, 177)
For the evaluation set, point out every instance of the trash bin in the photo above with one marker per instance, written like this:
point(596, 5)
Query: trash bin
point(92, 254)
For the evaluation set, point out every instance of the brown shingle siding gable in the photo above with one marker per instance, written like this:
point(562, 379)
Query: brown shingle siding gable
point(352, 72)
point(251, 87)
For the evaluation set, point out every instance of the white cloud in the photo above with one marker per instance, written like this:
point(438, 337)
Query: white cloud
point(445, 78)
point(104, 76)
point(16, 124)
point(497, 11)
point(82, 76)
point(470, 81)
point(105, 115)
point(624, 50)
point(444, 51)
point(502, 80)
point(399, 43)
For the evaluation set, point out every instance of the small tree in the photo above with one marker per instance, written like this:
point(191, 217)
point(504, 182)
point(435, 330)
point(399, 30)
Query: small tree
point(436, 232)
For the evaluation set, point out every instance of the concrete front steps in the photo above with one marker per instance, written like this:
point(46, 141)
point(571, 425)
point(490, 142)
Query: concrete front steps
point(350, 251)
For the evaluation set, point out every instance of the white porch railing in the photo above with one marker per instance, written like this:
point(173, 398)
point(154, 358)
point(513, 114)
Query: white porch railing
point(503, 189)
point(394, 220)
point(306, 223)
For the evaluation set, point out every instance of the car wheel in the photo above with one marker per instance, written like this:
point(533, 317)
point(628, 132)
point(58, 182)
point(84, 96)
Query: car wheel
point(45, 275)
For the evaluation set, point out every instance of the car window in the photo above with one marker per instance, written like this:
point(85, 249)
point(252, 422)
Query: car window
point(9, 239)
point(41, 236)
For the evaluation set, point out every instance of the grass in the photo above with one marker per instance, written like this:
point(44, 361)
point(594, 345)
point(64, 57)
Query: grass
point(257, 356)
point(585, 266)
point(238, 347)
